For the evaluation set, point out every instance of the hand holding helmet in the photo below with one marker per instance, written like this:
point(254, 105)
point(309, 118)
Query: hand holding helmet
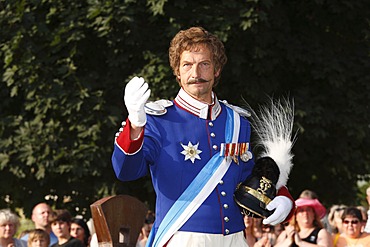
point(282, 206)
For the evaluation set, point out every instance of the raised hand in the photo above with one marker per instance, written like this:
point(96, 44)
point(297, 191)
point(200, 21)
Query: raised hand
point(136, 95)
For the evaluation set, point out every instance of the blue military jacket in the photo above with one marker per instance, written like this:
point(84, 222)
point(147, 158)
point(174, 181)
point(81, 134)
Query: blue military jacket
point(187, 123)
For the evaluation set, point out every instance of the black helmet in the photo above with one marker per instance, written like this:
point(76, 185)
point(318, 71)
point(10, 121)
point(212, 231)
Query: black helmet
point(258, 189)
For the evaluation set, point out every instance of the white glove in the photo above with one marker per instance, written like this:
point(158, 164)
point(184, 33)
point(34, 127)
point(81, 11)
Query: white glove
point(137, 93)
point(282, 205)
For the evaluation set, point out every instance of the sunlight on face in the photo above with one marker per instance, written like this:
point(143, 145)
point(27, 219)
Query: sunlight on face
point(7, 229)
point(39, 242)
point(305, 215)
point(60, 229)
point(197, 73)
point(352, 226)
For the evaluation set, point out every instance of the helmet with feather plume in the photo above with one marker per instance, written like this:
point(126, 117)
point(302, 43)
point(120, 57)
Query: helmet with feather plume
point(273, 126)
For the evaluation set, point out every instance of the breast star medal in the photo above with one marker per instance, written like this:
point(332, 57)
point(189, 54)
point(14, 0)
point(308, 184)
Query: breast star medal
point(191, 152)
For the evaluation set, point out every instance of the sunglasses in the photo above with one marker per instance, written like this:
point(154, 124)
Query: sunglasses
point(353, 222)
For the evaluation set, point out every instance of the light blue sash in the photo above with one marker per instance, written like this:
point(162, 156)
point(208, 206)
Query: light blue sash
point(198, 190)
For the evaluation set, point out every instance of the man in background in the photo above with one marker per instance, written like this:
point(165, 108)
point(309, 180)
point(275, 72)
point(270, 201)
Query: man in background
point(40, 217)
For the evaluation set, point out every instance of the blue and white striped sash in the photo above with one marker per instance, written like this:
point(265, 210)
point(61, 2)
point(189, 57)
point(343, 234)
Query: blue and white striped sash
point(198, 190)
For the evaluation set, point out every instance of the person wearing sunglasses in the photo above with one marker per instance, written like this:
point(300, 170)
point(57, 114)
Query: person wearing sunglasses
point(352, 235)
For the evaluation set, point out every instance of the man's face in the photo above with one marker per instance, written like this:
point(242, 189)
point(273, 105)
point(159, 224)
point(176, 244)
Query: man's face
point(197, 73)
point(40, 216)
point(61, 229)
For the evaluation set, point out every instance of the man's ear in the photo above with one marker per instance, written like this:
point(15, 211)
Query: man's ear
point(178, 79)
point(217, 73)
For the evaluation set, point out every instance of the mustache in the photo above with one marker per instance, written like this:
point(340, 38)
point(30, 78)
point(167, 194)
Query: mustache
point(195, 80)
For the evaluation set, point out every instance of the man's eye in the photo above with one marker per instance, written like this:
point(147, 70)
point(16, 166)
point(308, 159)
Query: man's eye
point(186, 66)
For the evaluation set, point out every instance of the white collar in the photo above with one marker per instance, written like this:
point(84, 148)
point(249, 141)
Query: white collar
point(196, 107)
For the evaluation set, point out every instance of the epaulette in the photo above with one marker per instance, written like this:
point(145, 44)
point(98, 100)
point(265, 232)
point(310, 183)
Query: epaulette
point(158, 107)
point(242, 112)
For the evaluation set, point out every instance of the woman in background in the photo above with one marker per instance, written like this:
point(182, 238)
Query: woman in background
point(335, 218)
point(80, 230)
point(306, 229)
point(145, 230)
point(249, 231)
point(253, 233)
point(9, 223)
point(352, 234)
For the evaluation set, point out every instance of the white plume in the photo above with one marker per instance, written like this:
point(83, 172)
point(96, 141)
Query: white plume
point(274, 125)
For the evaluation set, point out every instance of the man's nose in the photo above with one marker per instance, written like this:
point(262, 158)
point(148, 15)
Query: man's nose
point(195, 71)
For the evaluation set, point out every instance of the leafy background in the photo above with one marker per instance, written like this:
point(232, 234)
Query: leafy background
point(65, 63)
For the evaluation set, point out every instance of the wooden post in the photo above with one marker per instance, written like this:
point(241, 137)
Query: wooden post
point(118, 220)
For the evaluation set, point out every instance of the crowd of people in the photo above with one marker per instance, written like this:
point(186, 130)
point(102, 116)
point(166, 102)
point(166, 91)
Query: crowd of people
point(312, 225)
point(198, 151)
point(56, 228)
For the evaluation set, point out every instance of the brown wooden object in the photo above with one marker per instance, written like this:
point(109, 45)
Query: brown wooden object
point(118, 220)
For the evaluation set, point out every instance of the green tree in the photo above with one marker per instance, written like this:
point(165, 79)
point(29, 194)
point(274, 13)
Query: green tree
point(64, 65)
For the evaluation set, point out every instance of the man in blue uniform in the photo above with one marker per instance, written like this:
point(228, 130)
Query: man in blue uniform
point(196, 148)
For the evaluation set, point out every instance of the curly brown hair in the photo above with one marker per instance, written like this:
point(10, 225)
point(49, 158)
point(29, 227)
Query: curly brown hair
point(191, 39)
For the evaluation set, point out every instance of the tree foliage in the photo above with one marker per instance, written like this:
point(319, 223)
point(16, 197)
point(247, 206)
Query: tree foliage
point(64, 64)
